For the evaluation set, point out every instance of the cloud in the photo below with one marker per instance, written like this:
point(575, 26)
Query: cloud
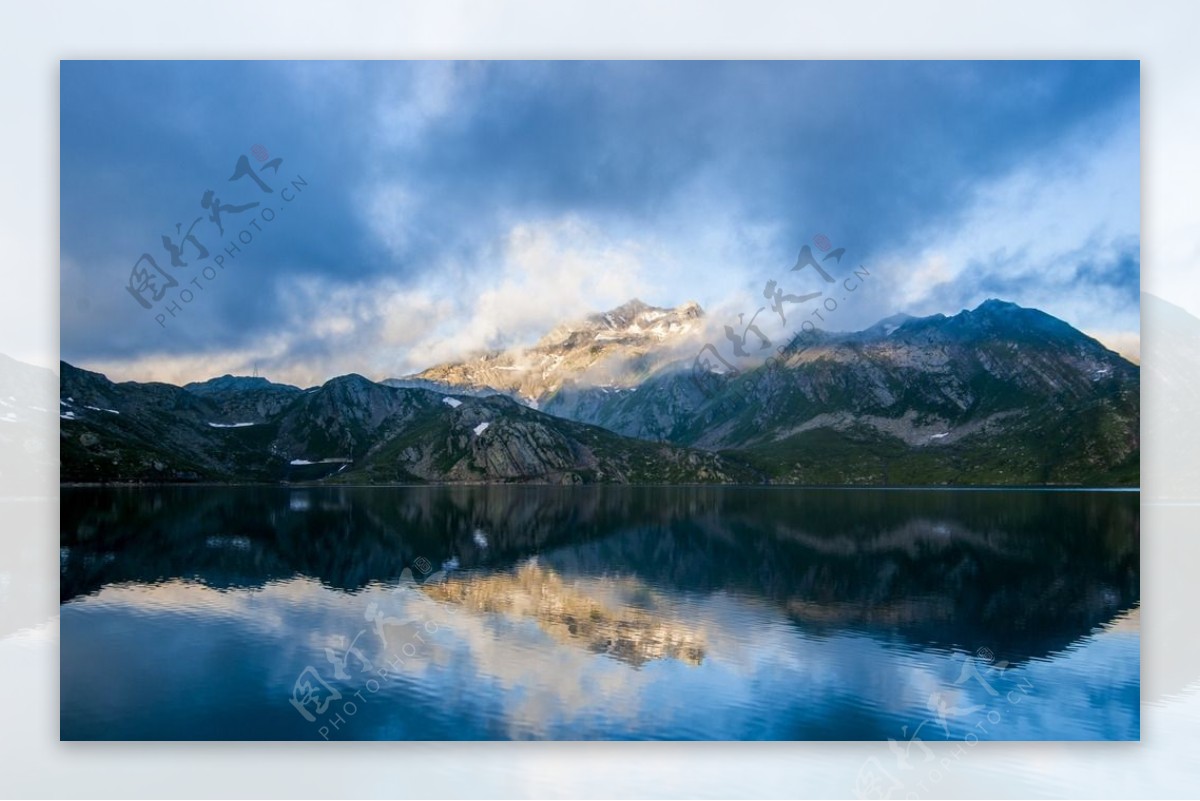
point(1060, 232)
point(548, 272)
point(390, 211)
point(486, 202)
point(542, 272)
point(427, 94)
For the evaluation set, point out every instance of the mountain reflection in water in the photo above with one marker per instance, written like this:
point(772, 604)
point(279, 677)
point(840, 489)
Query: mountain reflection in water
point(714, 581)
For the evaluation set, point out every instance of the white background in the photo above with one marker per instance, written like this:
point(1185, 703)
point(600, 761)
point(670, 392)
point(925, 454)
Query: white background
point(34, 36)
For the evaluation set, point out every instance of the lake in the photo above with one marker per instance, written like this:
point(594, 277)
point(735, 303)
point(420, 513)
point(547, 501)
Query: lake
point(578, 613)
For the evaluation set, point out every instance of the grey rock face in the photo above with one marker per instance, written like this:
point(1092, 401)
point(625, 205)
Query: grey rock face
point(997, 377)
point(349, 429)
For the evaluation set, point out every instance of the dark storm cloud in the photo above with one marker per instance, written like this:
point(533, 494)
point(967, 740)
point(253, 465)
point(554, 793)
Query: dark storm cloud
point(411, 164)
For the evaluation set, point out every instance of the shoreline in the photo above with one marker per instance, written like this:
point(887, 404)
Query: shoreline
point(319, 485)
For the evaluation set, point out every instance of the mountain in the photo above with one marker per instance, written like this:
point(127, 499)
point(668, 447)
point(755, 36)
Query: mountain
point(132, 431)
point(247, 399)
point(350, 429)
point(617, 349)
point(996, 395)
point(999, 394)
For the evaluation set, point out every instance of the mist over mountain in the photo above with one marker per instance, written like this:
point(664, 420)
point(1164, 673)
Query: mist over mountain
point(615, 349)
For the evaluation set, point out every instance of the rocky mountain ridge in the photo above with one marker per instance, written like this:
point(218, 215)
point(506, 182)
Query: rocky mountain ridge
point(350, 429)
point(996, 395)
point(618, 348)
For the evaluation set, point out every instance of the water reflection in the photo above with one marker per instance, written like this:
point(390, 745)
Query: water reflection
point(594, 612)
point(604, 618)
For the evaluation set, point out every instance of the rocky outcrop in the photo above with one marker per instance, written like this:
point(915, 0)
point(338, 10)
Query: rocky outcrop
point(615, 349)
point(350, 429)
point(245, 399)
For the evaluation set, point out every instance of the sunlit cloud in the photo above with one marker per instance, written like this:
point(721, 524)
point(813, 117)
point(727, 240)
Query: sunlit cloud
point(458, 207)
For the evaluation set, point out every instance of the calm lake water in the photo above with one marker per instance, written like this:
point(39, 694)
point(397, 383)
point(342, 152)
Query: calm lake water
point(599, 612)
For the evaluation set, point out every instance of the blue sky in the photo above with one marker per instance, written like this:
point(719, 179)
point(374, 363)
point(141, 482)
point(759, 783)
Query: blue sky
point(449, 207)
